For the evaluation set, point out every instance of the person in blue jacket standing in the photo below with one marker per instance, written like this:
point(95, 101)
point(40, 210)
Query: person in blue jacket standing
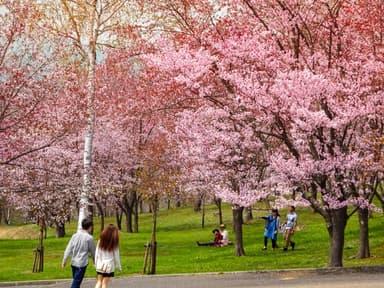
point(272, 224)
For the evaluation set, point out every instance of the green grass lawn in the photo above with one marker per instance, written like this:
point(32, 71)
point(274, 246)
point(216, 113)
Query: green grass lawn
point(178, 230)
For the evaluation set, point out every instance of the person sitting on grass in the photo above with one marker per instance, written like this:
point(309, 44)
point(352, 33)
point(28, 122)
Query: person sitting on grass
point(224, 233)
point(216, 240)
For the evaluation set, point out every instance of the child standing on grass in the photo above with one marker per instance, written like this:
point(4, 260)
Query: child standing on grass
point(107, 256)
point(272, 224)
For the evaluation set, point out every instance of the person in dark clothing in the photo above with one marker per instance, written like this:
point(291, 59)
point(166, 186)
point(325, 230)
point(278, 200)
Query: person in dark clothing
point(216, 240)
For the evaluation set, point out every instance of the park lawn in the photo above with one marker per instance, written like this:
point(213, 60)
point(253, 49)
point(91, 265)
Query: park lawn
point(177, 233)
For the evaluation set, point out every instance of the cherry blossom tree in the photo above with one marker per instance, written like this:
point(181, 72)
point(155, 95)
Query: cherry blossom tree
point(343, 86)
point(43, 188)
point(304, 74)
point(226, 157)
point(89, 26)
point(27, 80)
point(34, 104)
point(123, 129)
point(184, 93)
point(157, 179)
point(368, 20)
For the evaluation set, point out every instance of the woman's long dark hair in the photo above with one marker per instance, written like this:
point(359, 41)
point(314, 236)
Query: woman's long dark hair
point(109, 238)
point(276, 211)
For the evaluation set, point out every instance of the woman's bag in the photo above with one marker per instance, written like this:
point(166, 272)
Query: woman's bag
point(104, 267)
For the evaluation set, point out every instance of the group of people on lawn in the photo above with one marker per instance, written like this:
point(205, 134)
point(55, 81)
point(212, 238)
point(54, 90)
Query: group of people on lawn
point(272, 227)
point(106, 255)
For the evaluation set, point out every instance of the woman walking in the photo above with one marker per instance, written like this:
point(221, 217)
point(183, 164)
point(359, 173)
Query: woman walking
point(272, 224)
point(107, 256)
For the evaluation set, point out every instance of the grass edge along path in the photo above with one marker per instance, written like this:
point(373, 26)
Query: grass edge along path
point(284, 273)
point(178, 231)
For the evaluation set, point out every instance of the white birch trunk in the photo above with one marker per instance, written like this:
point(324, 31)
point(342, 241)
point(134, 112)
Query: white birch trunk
point(88, 141)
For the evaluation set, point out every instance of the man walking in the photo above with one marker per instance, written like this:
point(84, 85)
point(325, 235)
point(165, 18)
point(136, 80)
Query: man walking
point(80, 246)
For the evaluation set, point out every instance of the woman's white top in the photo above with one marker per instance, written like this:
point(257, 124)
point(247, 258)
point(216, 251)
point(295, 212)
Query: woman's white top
point(112, 258)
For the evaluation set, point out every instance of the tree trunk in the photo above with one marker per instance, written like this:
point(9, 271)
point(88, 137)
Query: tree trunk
point(364, 233)
point(220, 210)
point(338, 218)
point(38, 263)
point(203, 216)
point(177, 202)
point(127, 205)
point(153, 237)
point(141, 206)
point(128, 221)
point(249, 215)
point(45, 231)
point(119, 217)
point(91, 208)
point(197, 206)
point(7, 216)
point(60, 229)
point(136, 217)
point(101, 213)
point(237, 213)
point(88, 141)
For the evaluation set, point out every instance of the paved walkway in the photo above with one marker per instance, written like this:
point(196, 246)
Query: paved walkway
point(365, 277)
